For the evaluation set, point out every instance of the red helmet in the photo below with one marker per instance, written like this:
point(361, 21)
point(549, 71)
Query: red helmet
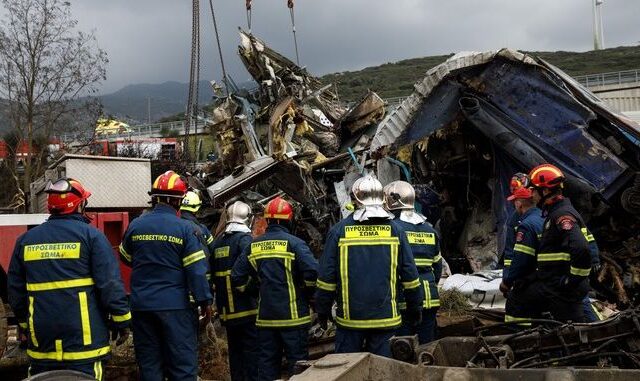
point(546, 176)
point(169, 184)
point(519, 180)
point(278, 209)
point(65, 195)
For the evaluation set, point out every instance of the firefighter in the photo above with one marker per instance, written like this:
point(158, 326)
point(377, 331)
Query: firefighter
point(365, 256)
point(524, 247)
point(563, 257)
point(65, 288)
point(286, 271)
point(168, 269)
point(191, 203)
point(518, 180)
point(237, 310)
point(425, 247)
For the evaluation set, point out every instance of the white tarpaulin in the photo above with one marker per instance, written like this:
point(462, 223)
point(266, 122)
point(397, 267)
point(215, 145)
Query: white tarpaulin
point(482, 288)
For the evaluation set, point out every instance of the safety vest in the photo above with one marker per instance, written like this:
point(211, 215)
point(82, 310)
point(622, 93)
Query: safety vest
point(286, 271)
point(168, 262)
point(360, 268)
point(64, 286)
point(235, 307)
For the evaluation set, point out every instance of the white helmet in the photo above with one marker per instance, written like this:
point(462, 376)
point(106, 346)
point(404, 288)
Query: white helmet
point(239, 213)
point(367, 191)
point(399, 195)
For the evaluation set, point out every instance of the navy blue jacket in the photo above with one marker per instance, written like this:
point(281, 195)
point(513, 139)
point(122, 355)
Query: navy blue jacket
point(360, 268)
point(235, 307)
point(286, 271)
point(525, 246)
point(205, 236)
point(509, 241)
point(64, 287)
point(168, 262)
point(425, 247)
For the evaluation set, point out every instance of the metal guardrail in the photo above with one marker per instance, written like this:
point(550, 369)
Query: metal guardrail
point(606, 79)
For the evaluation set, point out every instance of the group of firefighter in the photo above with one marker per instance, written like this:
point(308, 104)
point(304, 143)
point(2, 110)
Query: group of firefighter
point(376, 278)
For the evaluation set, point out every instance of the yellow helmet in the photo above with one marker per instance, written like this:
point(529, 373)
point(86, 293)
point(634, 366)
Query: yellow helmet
point(191, 202)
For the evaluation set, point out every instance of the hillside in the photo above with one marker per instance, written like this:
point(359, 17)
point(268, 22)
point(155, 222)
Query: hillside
point(396, 79)
point(132, 102)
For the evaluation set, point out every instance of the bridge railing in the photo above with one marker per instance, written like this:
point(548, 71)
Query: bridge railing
point(613, 78)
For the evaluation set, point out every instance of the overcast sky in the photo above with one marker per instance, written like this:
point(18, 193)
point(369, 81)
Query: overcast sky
point(148, 41)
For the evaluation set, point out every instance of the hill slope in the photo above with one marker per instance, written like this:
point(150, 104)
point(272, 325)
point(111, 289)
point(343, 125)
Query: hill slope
point(396, 79)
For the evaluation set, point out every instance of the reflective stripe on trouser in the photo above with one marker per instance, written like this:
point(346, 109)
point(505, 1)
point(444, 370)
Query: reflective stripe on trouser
point(272, 343)
point(375, 341)
point(93, 369)
point(166, 344)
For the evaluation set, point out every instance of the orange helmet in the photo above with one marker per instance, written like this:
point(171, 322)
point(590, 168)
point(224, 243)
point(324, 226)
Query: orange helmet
point(546, 176)
point(278, 209)
point(169, 184)
point(65, 195)
point(519, 180)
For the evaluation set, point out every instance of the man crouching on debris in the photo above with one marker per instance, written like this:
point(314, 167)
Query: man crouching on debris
point(168, 283)
point(365, 255)
point(399, 199)
point(562, 279)
point(237, 309)
point(523, 258)
point(286, 271)
point(63, 282)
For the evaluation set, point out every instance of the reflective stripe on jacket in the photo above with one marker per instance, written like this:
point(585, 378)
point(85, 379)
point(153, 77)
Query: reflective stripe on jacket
point(525, 246)
point(360, 268)
point(64, 285)
point(564, 251)
point(168, 262)
point(286, 272)
point(235, 307)
point(425, 247)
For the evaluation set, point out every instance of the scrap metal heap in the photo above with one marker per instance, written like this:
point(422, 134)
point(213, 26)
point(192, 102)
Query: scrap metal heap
point(613, 343)
point(290, 131)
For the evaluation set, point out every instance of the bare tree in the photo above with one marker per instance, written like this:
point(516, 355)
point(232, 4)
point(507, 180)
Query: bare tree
point(46, 68)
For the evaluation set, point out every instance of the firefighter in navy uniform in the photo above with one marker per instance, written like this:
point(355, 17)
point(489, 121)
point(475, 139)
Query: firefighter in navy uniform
point(518, 180)
point(365, 256)
point(425, 247)
point(191, 203)
point(168, 269)
point(286, 271)
point(525, 245)
point(563, 256)
point(65, 287)
point(237, 310)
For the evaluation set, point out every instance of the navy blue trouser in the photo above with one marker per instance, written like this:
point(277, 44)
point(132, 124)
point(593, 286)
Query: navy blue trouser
point(426, 330)
point(166, 344)
point(375, 341)
point(272, 343)
point(243, 351)
point(93, 369)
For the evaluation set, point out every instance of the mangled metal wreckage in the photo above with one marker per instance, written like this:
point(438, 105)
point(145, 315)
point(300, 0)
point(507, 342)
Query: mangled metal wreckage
point(470, 124)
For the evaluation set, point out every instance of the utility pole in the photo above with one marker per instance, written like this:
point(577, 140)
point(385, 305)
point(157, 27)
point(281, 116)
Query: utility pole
point(598, 32)
point(148, 110)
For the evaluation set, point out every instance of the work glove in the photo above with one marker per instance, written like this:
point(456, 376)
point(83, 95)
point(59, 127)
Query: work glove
point(120, 335)
point(205, 314)
point(595, 269)
point(323, 320)
point(414, 317)
point(504, 289)
point(23, 337)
